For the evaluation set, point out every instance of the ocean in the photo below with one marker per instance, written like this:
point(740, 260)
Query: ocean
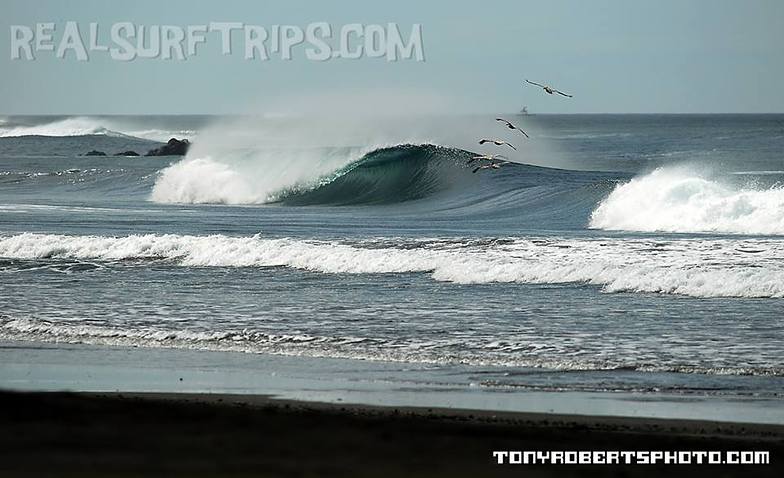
point(613, 253)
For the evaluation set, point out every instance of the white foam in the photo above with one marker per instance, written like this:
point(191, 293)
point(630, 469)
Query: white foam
point(77, 126)
point(202, 180)
point(253, 158)
point(479, 351)
point(759, 173)
point(699, 268)
point(163, 135)
point(85, 125)
point(680, 200)
point(243, 178)
point(249, 176)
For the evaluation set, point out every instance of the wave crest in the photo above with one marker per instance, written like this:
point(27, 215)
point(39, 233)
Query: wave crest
point(698, 268)
point(676, 200)
point(92, 126)
point(79, 126)
point(386, 174)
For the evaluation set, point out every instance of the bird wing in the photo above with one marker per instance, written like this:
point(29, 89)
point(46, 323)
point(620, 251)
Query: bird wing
point(563, 94)
point(505, 121)
point(476, 169)
point(526, 134)
point(508, 144)
point(537, 84)
point(472, 160)
point(483, 141)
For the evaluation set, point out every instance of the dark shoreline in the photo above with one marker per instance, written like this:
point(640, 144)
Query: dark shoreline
point(143, 434)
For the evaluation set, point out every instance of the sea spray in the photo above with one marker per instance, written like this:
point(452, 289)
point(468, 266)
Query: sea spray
point(253, 160)
point(72, 126)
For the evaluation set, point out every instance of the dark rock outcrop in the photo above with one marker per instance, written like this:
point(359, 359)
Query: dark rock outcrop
point(174, 147)
point(95, 153)
point(127, 153)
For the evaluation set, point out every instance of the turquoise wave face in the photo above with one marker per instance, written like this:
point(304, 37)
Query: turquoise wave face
point(421, 178)
point(388, 175)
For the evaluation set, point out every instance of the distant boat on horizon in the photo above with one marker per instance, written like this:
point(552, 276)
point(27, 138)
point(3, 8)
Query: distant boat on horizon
point(524, 111)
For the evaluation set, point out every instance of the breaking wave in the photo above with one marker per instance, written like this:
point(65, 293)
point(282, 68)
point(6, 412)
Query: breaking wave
point(380, 175)
point(79, 126)
point(88, 126)
point(677, 200)
point(752, 268)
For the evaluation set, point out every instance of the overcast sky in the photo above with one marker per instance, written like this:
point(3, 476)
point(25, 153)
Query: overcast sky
point(614, 56)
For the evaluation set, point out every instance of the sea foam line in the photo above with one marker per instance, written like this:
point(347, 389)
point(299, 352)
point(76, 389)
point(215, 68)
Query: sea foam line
point(407, 350)
point(698, 268)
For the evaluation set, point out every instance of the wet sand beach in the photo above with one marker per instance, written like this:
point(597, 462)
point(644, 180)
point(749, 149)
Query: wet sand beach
point(148, 434)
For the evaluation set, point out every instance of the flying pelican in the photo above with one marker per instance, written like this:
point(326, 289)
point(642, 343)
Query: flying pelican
point(486, 157)
point(549, 89)
point(497, 142)
point(487, 166)
point(511, 126)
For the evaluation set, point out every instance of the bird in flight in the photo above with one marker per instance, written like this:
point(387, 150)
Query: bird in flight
point(511, 126)
point(487, 166)
point(486, 157)
point(549, 89)
point(497, 142)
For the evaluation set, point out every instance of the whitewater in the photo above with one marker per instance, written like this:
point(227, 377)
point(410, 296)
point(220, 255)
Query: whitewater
point(752, 268)
point(75, 126)
point(648, 248)
point(680, 200)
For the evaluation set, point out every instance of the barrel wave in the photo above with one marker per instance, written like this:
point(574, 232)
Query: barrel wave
point(387, 175)
point(380, 175)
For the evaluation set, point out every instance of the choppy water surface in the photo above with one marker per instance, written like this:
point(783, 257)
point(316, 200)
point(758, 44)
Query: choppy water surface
point(653, 250)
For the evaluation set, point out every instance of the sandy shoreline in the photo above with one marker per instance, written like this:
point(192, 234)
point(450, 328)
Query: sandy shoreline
point(144, 434)
point(31, 366)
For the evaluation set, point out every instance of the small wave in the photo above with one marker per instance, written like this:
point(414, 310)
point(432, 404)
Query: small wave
point(676, 200)
point(698, 268)
point(62, 172)
point(163, 135)
point(32, 208)
point(759, 173)
point(410, 350)
point(588, 136)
